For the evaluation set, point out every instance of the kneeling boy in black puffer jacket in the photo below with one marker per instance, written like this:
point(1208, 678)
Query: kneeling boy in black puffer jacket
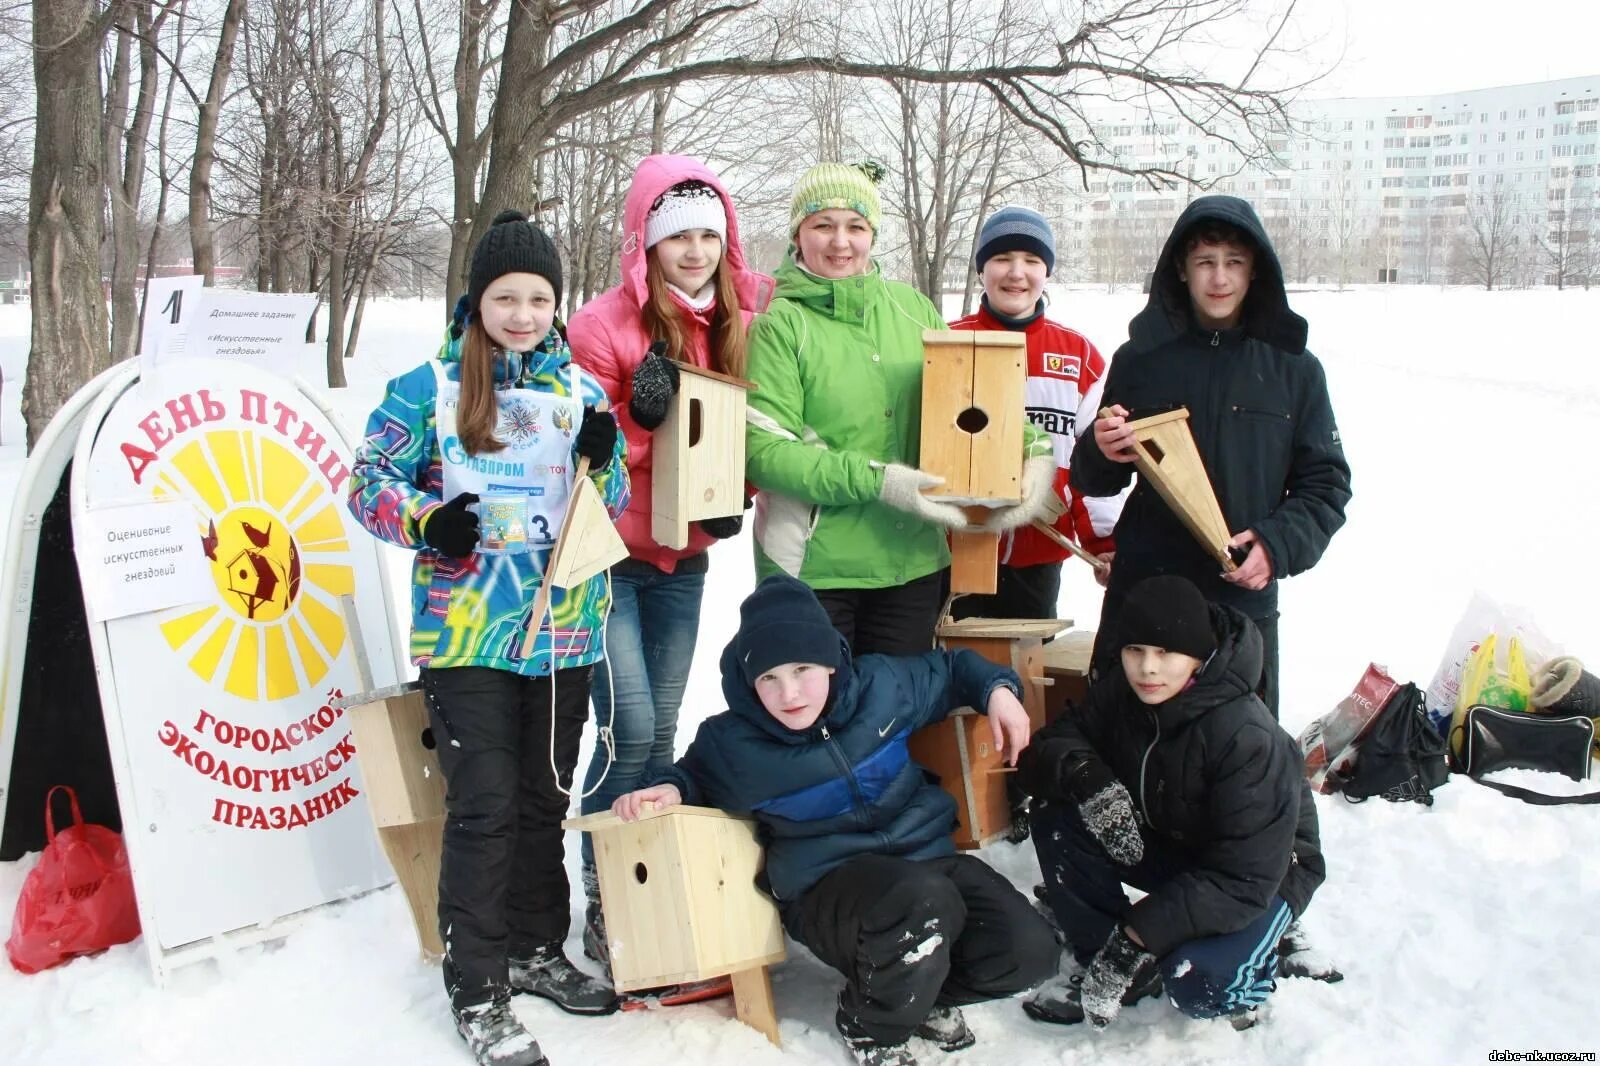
point(1174, 778)
point(857, 835)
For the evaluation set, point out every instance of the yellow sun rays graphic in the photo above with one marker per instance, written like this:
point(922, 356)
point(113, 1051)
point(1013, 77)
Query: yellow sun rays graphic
point(280, 560)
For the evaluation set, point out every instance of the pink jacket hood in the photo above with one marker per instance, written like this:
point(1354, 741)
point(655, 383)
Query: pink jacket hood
point(654, 176)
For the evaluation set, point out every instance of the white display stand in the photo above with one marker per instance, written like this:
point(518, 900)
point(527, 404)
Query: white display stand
point(241, 802)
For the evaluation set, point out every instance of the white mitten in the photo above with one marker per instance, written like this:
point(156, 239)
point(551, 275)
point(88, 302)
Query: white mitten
point(1038, 488)
point(902, 490)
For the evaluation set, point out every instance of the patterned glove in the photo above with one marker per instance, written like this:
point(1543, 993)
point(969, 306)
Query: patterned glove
point(1110, 976)
point(655, 383)
point(902, 490)
point(452, 529)
point(597, 437)
point(1106, 809)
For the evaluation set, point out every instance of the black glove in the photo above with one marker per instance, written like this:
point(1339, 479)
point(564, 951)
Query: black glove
point(597, 437)
point(726, 526)
point(1110, 976)
point(723, 528)
point(655, 383)
point(452, 530)
point(1105, 807)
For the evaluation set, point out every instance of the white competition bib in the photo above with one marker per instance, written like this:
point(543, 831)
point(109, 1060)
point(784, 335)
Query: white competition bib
point(535, 465)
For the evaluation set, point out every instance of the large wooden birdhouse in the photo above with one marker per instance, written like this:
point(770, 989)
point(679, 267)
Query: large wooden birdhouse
point(678, 887)
point(972, 417)
point(697, 466)
point(405, 792)
point(960, 749)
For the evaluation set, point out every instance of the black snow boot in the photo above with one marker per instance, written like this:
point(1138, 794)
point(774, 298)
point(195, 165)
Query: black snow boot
point(1563, 686)
point(946, 1027)
point(550, 974)
point(1059, 1000)
point(594, 937)
point(868, 1052)
point(495, 1035)
point(1298, 958)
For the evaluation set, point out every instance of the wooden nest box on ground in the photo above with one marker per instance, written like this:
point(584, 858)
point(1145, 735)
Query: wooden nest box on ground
point(961, 748)
point(678, 887)
point(405, 792)
point(972, 417)
point(697, 466)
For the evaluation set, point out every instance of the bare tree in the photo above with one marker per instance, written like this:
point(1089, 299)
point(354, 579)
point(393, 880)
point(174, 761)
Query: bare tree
point(1044, 81)
point(65, 208)
point(1485, 248)
point(205, 152)
point(126, 137)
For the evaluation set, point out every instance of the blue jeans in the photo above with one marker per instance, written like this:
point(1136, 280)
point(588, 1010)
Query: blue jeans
point(650, 637)
point(1203, 977)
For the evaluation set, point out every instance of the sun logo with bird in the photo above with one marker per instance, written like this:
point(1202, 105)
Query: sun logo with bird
point(273, 536)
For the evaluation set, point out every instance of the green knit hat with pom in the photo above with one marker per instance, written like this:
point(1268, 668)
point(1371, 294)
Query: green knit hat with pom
point(837, 185)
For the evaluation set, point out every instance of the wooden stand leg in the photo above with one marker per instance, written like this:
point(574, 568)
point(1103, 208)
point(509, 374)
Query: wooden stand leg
point(752, 1001)
point(413, 851)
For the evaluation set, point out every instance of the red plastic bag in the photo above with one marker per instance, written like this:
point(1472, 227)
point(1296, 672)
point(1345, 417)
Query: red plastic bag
point(78, 900)
point(1329, 744)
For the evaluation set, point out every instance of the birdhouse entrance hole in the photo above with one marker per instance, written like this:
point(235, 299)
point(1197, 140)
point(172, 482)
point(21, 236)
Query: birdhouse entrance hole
point(1156, 454)
point(694, 421)
point(972, 420)
point(640, 874)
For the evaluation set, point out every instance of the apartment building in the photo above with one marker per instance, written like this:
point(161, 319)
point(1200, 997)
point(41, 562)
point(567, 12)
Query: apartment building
point(1410, 189)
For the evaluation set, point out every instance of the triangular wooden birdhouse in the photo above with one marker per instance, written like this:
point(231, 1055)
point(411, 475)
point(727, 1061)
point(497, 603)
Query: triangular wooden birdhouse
point(1166, 456)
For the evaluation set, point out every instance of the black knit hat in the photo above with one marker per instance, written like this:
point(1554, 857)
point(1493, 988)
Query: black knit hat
point(1168, 612)
point(513, 245)
point(782, 622)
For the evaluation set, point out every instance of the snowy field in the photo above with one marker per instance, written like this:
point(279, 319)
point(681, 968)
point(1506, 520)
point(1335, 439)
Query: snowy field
point(1463, 929)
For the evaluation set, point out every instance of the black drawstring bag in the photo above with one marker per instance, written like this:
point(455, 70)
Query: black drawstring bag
point(1402, 757)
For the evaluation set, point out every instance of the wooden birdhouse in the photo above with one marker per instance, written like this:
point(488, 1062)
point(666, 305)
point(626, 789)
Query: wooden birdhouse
point(961, 749)
point(697, 466)
point(678, 887)
point(972, 417)
point(405, 792)
point(1165, 455)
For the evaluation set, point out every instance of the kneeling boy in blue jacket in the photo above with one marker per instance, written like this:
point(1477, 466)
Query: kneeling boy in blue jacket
point(857, 835)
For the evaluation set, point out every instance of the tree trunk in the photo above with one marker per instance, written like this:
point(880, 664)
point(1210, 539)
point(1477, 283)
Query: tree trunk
point(65, 209)
point(126, 175)
point(517, 131)
point(205, 146)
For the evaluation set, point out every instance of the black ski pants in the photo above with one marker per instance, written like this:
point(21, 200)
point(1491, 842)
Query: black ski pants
point(909, 935)
point(1019, 592)
point(899, 620)
point(502, 886)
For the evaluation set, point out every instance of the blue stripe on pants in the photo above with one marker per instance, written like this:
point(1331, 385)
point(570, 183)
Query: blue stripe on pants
point(1229, 973)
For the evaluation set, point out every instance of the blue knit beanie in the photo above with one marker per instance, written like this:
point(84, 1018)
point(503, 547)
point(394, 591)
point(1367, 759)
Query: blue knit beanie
point(1016, 229)
point(782, 622)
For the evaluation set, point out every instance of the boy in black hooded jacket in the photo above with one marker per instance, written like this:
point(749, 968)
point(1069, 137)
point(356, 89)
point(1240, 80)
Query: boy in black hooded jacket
point(1218, 338)
point(1172, 778)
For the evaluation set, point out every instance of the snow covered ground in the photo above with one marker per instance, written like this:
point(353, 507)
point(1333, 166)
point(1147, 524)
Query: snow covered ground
point(1463, 929)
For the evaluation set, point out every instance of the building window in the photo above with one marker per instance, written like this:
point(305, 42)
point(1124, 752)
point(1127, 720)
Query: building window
point(1588, 127)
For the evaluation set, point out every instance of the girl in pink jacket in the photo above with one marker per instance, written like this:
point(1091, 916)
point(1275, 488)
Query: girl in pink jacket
point(686, 296)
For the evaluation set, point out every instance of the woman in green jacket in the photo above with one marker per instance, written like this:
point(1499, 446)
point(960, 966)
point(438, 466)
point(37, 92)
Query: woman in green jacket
point(834, 426)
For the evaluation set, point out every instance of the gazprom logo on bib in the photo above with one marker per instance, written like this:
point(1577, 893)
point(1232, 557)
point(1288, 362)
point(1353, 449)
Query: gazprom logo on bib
point(454, 453)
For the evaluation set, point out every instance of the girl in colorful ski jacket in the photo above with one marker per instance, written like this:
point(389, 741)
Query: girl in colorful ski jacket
point(502, 410)
point(686, 297)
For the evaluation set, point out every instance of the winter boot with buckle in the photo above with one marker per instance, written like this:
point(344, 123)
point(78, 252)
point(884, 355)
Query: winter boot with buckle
point(1563, 686)
point(495, 1035)
point(547, 972)
point(946, 1027)
point(1059, 1000)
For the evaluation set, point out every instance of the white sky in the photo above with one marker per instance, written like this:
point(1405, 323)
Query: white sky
point(1403, 47)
